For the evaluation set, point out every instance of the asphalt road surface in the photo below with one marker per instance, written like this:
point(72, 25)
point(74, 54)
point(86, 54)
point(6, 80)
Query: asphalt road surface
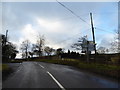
point(46, 75)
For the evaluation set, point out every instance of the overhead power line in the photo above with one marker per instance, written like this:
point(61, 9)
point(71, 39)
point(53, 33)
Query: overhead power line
point(81, 18)
point(97, 28)
point(71, 37)
point(72, 12)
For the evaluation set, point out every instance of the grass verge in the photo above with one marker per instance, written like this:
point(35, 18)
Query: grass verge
point(102, 69)
point(6, 70)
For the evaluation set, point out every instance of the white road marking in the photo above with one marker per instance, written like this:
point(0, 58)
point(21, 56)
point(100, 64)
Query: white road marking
point(35, 62)
point(18, 69)
point(56, 81)
point(41, 66)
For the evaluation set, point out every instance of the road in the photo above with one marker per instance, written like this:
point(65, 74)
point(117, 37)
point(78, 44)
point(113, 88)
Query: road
point(31, 74)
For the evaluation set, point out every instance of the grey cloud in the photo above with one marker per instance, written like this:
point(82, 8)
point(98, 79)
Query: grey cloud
point(17, 15)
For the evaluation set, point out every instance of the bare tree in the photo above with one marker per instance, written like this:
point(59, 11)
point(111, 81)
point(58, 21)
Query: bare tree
point(115, 45)
point(40, 45)
point(24, 47)
point(81, 44)
point(33, 50)
point(31, 54)
point(102, 50)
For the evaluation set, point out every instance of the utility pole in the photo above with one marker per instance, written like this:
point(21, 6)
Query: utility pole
point(88, 52)
point(6, 36)
point(93, 34)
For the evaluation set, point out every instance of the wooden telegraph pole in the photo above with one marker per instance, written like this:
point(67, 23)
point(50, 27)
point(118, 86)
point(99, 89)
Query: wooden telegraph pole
point(88, 52)
point(93, 34)
point(6, 36)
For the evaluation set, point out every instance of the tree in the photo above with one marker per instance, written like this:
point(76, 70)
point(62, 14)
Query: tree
point(34, 50)
point(84, 45)
point(31, 54)
point(40, 45)
point(59, 51)
point(13, 55)
point(102, 50)
point(8, 49)
point(3, 39)
point(81, 44)
point(115, 45)
point(68, 51)
point(23, 55)
point(48, 50)
point(24, 47)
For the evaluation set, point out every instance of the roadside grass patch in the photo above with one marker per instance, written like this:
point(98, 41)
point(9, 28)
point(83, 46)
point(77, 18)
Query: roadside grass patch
point(63, 62)
point(0, 67)
point(6, 70)
point(107, 70)
point(16, 61)
point(5, 67)
point(102, 69)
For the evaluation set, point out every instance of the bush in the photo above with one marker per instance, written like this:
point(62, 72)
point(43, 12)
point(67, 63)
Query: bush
point(115, 60)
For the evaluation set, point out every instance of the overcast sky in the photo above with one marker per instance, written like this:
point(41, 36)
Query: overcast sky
point(26, 20)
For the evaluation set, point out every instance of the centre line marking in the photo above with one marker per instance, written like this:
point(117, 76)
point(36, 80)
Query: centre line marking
point(18, 69)
point(56, 81)
point(41, 66)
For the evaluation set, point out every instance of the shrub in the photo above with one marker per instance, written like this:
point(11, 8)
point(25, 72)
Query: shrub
point(115, 60)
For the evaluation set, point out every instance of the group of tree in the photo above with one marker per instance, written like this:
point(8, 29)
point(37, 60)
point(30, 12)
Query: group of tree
point(39, 49)
point(49, 51)
point(115, 44)
point(9, 50)
point(85, 46)
point(29, 50)
point(70, 54)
